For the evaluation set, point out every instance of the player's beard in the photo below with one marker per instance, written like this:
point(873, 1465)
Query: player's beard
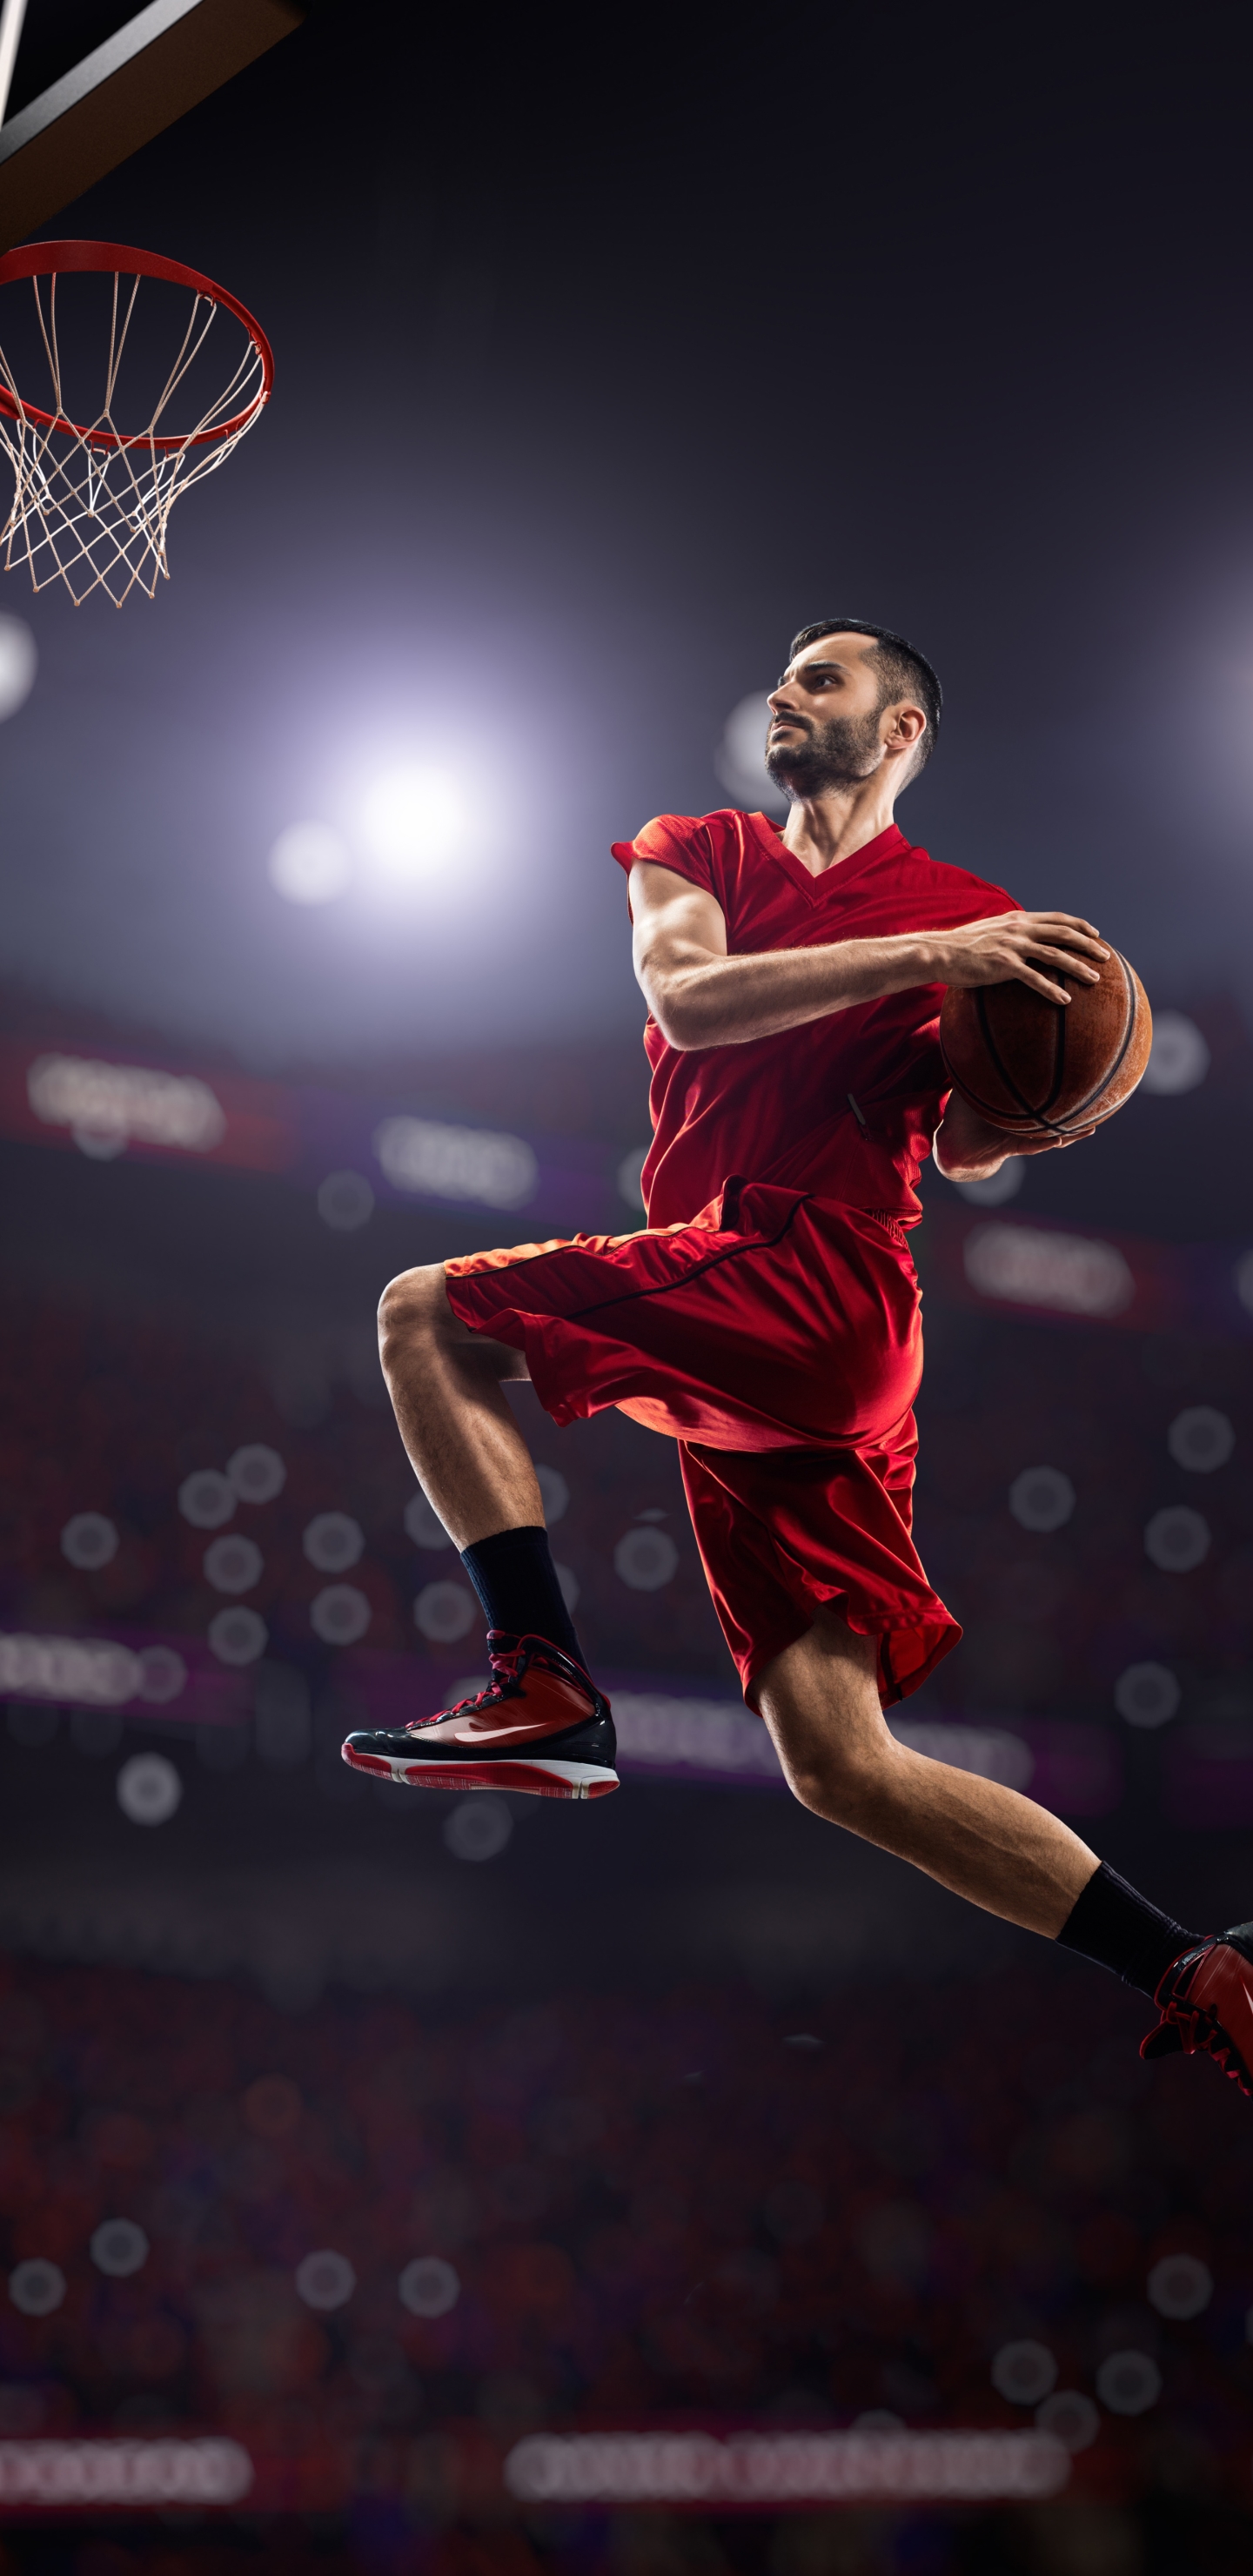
point(838, 753)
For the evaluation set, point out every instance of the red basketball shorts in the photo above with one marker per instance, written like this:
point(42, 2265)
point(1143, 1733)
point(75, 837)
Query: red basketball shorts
point(777, 1339)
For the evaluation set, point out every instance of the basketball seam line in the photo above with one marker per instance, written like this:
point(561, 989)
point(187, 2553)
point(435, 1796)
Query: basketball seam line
point(1040, 1115)
point(1133, 1013)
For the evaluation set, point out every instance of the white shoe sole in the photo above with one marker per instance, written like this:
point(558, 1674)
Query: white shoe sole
point(534, 1777)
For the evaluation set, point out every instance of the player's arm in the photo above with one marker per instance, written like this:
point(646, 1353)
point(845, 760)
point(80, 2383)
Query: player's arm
point(701, 997)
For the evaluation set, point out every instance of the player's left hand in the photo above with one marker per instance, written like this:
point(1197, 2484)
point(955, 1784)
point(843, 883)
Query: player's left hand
point(1052, 1144)
point(968, 1148)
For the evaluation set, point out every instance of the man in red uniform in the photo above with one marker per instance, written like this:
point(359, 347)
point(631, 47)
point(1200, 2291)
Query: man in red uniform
point(768, 1320)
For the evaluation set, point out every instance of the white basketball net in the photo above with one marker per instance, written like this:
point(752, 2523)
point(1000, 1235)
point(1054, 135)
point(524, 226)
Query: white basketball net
point(94, 515)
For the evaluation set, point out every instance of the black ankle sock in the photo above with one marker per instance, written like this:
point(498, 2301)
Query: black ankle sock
point(1118, 1928)
point(516, 1581)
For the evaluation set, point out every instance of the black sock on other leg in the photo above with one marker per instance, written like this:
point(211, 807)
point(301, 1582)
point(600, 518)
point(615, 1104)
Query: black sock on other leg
point(1113, 1924)
point(516, 1581)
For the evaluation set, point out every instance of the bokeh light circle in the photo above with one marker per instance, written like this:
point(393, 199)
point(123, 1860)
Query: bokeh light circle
point(1147, 1694)
point(233, 1564)
point(238, 1636)
point(478, 1827)
point(206, 1498)
point(339, 1614)
point(1179, 1058)
point(118, 2248)
point(1041, 1498)
point(423, 1524)
point(256, 1472)
point(1128, 2383)
point(345, 1202)
point(1201, 1439)
point(554, 1494)
point(1180, 2286)
point(1177, 1539)
point(162, 1674)
point(1070, 2417)
point(149, 1789)
point(37, 2286)
point(333, 1542)
point(429, 2286)
point(445, 1611)
point(325, 2280)
point(645, 1560)
point(1024, 2372)
point(89, 1541)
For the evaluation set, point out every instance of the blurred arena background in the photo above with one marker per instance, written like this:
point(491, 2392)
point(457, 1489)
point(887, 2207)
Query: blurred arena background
point(351, 2141)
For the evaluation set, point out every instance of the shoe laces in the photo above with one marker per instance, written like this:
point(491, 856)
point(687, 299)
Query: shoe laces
point(510, 1659)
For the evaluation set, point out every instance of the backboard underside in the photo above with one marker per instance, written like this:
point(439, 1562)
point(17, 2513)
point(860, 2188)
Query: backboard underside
point(141, 76)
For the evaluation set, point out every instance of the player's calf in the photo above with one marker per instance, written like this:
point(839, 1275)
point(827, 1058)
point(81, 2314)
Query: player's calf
point(474, 1466)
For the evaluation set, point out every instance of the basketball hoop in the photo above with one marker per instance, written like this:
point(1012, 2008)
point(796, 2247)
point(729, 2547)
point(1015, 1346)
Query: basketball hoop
point(98, 471)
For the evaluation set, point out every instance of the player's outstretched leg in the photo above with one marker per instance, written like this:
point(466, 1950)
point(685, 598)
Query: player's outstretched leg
point(541, 1725)
point(998, 1849)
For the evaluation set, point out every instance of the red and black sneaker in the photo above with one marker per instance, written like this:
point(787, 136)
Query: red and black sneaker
point(1206, 2001)
point(540, 1726)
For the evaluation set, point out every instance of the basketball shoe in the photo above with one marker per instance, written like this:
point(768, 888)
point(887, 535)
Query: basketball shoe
point(540, 1726)
point(1206, 2001)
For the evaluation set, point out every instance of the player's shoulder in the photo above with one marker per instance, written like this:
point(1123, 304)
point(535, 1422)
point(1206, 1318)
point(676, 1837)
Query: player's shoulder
point(699, 845)
point(688, 830)
point(975, 895)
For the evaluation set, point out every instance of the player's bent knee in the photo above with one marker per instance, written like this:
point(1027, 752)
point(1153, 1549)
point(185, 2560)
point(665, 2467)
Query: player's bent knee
point(838, 1782)
point(413, 1305)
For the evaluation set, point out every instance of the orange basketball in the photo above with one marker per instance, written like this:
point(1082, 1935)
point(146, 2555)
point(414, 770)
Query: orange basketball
point(1040, 1068)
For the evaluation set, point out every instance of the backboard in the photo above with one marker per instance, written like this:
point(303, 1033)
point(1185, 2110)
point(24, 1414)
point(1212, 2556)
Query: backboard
point(94, 80)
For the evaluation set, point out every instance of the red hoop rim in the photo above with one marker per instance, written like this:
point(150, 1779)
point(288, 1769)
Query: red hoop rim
point(59, 258)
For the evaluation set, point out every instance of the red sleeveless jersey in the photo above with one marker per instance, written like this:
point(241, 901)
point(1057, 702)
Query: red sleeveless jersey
point(844, 1107)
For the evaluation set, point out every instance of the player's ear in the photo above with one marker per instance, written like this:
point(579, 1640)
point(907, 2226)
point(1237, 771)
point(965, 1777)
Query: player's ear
point(906, 727)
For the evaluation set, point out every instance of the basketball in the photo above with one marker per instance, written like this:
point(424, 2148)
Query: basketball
point(1040, 1068)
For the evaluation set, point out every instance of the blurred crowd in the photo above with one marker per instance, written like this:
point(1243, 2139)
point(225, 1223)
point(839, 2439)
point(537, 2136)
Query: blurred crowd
point(617, 2206)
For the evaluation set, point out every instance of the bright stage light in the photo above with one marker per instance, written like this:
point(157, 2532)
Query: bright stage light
point(740, 757)
point(413, 818)
point(309, 864)
point(19, 661)
point(1179, 1058)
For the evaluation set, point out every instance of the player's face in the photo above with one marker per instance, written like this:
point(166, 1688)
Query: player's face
point(824, 717)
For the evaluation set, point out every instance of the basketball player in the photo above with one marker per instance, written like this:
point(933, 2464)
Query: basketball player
point(768, 1320)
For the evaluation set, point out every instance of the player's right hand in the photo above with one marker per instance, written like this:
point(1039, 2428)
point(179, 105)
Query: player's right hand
point(1019, 946)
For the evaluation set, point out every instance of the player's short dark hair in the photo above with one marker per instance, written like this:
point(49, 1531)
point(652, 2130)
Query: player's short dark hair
point(905, 672)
